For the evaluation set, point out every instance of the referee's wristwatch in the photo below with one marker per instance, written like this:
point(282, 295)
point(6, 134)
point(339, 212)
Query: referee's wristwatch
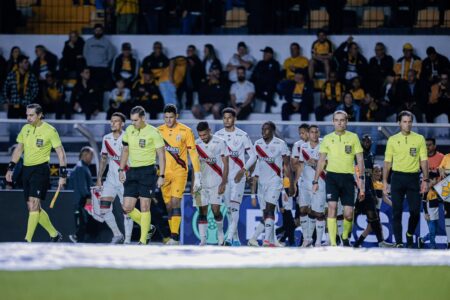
point(120, 170)
point(426, 179)
point(162, 176)
point(315, 182)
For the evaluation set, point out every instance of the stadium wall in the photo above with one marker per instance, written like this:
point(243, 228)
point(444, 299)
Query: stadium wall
point(226, 45)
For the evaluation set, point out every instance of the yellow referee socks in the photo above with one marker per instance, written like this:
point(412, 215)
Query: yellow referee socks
point(33, 220)
point(347, 229)
point(45, 222)
point(145, 226)
point(332, 230)
point(135, 215)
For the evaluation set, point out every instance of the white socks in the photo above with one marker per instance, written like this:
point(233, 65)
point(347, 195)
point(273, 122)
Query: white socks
point(111, 221)
point(447, 229)
point(258, 230)
point(269, 234)
point(320, 228)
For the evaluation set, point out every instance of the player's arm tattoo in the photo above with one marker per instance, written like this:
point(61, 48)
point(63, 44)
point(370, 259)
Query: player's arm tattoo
point(102, 166)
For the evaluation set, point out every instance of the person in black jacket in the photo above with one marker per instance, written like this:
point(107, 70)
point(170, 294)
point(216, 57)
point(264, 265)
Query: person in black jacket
point(298, 94)
point(125, 66)
point(72, 60)
point(86, 96)
point(410, 95)
point(433, 66)
point(209, 59)
point(265, 77)
point(380, 66)
point(146, 93)
point(351, 62)
point(12, 63)
point(193, 76)
point(45, 62)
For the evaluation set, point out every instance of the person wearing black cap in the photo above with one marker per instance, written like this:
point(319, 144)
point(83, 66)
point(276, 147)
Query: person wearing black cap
point(240, 59)
point(265, 76)
point(298, 94)
point(125, 65)
point(433, 66)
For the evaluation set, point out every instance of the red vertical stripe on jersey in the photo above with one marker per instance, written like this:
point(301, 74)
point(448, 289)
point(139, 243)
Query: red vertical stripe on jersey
point(237, 160)
point(272, 165)
point(307, 157)
point(213, 166)
point(113, 153)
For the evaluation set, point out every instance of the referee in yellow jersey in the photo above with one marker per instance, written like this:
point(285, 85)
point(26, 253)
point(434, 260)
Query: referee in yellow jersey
point(141, 143)
point(406, 153)
point(338, 150)
point(35, 141)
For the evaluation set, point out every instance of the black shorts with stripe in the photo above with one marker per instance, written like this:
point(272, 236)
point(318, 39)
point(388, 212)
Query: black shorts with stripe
point(140, 182)
point(340, 187)
point(36, 181)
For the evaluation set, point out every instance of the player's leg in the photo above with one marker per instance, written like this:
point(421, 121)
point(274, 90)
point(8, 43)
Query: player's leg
point(414, 201)
point(106, 201)
point(216, 201)
point(145, 218)
point(348, 202)
point(398, 192)
point(318, 212)
point(127, 221)
point(305, 204)
point(177, 187)
point(236, 193)
point(447, 222)
point(332, 198)
point(269, 221)
point(261, 225)
point(201, 202)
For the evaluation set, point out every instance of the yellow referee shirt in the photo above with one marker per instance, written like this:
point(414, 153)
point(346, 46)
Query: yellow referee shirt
point(405, 152)
point(142, 144)
point(38, 143)
point(341, 151)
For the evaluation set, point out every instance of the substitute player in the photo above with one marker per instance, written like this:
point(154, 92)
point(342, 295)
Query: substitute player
point(141, 142)
point(406, 153)
point(238, 143)
point(112, 187)
point(35, 141)
point(178, 141)
point(213, 154)
point(338, 150)
point(272, 157)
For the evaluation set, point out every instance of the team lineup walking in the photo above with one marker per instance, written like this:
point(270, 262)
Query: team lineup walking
point(327, 181)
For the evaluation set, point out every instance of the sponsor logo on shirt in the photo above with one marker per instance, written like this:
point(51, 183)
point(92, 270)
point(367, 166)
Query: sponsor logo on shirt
point(209, 160)
point(171, 149)
point(267, 159)
point(234, 153)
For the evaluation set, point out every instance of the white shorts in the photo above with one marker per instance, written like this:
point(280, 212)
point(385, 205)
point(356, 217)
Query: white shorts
point(314, 200)
point(208, 196)
point(112, 190)
point(433, 212)
point(234, 191)
point(269, 193)
point(287, 205)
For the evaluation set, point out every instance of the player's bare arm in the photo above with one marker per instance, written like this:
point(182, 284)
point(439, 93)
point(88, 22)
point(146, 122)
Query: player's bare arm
point(101, 169)
point(223, 184)
point(360, 162)
point(162, 165)
point(253, 190)
point(386, 170)
point(425, 185)
point(123, 162)
point(320, 167)
point(14, 159)
point(62, 165)
point(288, 172)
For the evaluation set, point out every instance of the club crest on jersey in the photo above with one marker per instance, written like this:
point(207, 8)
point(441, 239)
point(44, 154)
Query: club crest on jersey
point(39, 143)
point(413, 151)
point(142, 143)
point(178, 138)
point(348, 149)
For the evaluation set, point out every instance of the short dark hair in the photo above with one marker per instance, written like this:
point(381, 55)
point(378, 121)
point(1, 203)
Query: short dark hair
point(40, 47)
point(403, 114)
point(138, 110)
point(242, 44)
point(202, 126)
point(37, 108)
point(304, 126)
point(84, 150)
point(120, 115)
point(170, 108)
point(240, 68)
point(313, 126)
point(229, 110)
point(192, 47)
point(270, 124)
point(21, 58)
point(157, 43)
point(321, 30)
point(431, 139)
point(295, 44)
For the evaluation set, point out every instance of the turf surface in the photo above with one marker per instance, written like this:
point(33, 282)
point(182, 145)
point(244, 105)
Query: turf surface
point(287, 283)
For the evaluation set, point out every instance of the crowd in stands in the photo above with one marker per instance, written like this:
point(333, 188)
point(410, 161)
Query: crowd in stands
point(367, 89)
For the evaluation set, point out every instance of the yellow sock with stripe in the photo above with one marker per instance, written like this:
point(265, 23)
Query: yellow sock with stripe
point(347, 229)
point(135, 215)
point(176, 222)
point(332, 230)
point(33, 221)
point(45, 222)
point(145, 226)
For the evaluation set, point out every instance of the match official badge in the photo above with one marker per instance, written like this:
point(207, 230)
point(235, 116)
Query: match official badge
point(348, 149)
point(39, 143)
point(413, 151)
point(142, 143)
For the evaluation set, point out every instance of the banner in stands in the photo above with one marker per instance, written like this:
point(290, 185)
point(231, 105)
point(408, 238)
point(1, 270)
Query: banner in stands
point(250, 216)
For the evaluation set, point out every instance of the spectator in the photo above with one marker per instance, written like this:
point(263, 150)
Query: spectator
point(45, 62)
point(410, 95)
point(242, 94)
point(298, 94)
point(321, 55)
point(86, 97)
point(160, 66)
point(20, 89)
point(330, 97)
point(72, 60)
point(407, 62)
point(387, 102)
point(240, 59)
point(152, 12)
point(368, 109)
point(125, 65)
point(54, 97)
point(127, 12)
point(351, 62)
point(210, 58)
point(12, 63)
point(265, 78)
point(379, 67)
point(191, 14)
point(439, 99)
point(357, 91)
point(146, 93)
point(119, 99)
point(3, 69)
point(192, 78)
point(434, 65)
point(212, 96)
point(295, 62)
point(99, 53)
point(352, 109)
point(80, 181)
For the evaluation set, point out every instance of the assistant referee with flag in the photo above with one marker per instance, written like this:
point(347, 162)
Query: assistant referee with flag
point(406, 153)
point(35, 141)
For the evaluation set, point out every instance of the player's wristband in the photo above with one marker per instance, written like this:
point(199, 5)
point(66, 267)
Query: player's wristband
point(362, 177)
point(253, 196)
point(426, 179)
point(162, 176)
point(120, 170)
point(315, 182)
point(11, 166)
point(62, 172)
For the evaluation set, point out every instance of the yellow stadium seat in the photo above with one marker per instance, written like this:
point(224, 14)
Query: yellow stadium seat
point(427, 18)
point(356, 2)
point(373, 17)
point(235, 18)
point(446, 19)
point(318, 18)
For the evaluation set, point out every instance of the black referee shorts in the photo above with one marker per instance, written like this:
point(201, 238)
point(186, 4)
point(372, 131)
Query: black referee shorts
point(36, 181)
point(140, 182)
point(340, 187)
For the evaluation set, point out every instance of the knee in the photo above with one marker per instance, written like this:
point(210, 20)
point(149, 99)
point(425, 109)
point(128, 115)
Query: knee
point(348, 216)
point(303, 211)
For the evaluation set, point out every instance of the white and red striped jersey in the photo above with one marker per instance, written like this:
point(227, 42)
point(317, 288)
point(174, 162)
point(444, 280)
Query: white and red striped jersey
point(113, 148)
point(296, 149)
point(238, 142)
point(306, 153)
point(270, 160)
point(211, 164)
